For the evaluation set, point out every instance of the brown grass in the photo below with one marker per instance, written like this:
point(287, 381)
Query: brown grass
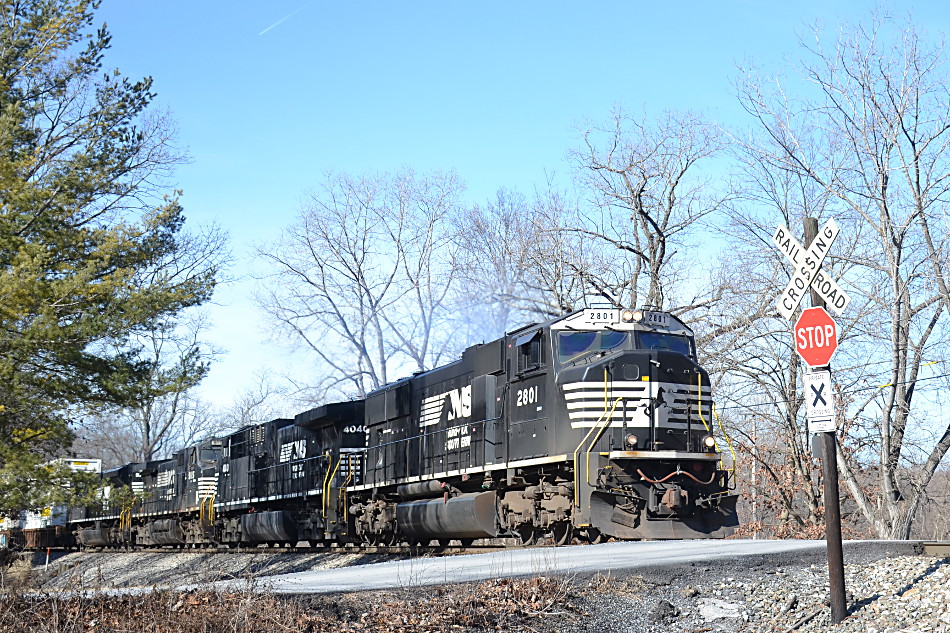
point(501, 604)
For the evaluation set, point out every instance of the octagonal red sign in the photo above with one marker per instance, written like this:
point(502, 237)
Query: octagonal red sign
point(816, 337)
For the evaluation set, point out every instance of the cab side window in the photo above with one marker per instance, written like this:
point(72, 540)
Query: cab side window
point(530, 354)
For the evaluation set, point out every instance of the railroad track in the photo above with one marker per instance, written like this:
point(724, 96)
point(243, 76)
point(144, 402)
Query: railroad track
point(297, 549)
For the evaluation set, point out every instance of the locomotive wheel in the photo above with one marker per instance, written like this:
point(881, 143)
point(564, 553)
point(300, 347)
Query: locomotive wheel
point(594, 536)
point(563, 532)
point(527, 535)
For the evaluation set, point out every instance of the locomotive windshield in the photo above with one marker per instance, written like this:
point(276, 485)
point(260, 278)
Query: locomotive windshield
point(663, 340)
point(574, 345)
point(571, 345)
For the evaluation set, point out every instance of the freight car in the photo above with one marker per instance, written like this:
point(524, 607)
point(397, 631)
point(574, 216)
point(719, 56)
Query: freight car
point(46, 527)
point(593, 425)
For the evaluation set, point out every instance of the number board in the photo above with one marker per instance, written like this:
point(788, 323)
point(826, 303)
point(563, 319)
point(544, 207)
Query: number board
point(656, 318)
point(602, 315)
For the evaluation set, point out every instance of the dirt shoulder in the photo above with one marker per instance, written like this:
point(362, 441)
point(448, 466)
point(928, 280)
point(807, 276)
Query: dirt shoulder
point(894, 593)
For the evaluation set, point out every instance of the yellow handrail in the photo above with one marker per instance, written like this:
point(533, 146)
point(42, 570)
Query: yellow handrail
point(728, 443)
point(699, 387)
point(346, 482)
point(330, 481)
point(326, 480)
point(603, 427)
point(608, 415)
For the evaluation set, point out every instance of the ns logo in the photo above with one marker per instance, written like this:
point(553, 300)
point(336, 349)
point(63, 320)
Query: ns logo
point(292, 451)
point(455, 403)
point(461, 400)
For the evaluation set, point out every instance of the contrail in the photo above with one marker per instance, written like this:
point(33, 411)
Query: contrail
point(285, 18)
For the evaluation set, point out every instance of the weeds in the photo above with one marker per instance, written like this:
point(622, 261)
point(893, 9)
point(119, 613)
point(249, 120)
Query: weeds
point(501, 604)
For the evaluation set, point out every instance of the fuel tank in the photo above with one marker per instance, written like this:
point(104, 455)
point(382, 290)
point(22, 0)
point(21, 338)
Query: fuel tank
point(470, 515)
point(94, 537)
point(268, 526)
point(166, 532)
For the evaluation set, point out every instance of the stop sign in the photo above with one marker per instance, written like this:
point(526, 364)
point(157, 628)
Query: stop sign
point(816, 337)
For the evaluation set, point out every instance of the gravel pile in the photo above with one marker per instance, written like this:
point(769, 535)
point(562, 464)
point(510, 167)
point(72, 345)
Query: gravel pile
point(888, 596)
point(893, 595)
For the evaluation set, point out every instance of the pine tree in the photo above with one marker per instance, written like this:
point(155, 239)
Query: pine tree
point(92, 256)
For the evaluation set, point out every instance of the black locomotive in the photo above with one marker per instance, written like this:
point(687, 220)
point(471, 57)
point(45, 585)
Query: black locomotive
point(593, 425)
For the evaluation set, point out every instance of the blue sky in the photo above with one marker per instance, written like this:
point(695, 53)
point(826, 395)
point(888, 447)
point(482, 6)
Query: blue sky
point(269, 96)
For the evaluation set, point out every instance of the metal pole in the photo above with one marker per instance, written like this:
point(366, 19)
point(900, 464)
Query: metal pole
point(755, 485)
point(839, 606)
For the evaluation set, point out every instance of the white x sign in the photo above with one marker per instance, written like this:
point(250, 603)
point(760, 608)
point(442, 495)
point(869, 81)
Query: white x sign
point(819, 400)
point(808, 270)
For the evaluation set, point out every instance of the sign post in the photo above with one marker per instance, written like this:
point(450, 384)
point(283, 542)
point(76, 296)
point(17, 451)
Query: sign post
point(816, 339)
point(823, 352)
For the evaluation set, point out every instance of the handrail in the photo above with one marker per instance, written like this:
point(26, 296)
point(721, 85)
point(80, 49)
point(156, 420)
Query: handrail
point(728, 442)
point(608, 415)
point(337, 468)
point(699, 387)
point(596, 439)
point(326, 479)
point(346, 482)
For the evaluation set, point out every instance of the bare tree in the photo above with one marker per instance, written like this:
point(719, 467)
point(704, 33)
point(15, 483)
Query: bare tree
point(866, 141)
point(167, 415)
point(524, 261)
point(634, 238)
point(648, 193)
point(364, 276)
point(494, 260)
point(264, 400)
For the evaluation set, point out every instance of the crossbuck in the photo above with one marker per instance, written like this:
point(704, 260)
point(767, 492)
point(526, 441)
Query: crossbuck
point(808, 272)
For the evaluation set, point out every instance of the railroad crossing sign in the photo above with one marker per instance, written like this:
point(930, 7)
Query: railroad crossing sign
point(816, 336)
point(819, 402)
point(808, 271)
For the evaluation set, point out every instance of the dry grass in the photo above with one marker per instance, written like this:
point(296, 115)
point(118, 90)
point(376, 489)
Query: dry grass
point(502, 604)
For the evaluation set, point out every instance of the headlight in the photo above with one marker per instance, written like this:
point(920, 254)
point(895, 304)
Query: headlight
point(626, 316)
point(709, 441)
point(630, 440)
point(637, 315)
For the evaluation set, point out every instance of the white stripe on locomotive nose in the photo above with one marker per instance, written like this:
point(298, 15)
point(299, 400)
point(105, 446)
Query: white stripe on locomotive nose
point(600, 385)
point(586, 423)
point(598, 405)
point(584, 396)
point(585, 404)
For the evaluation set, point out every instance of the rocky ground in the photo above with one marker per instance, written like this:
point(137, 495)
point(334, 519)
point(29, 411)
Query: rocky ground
point(903, 594)
point(893, 595)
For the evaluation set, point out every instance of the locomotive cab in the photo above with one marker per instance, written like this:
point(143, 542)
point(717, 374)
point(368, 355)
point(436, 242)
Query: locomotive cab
point(639, 410)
